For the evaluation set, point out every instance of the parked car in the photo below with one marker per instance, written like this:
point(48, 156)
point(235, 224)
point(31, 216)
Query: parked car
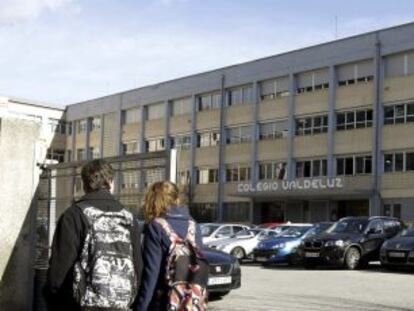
point(398, 251)
point(284, 247)
point(214, 232)
point(269, 225)
point(225, 273)
point(241, 244)
point(350, 242)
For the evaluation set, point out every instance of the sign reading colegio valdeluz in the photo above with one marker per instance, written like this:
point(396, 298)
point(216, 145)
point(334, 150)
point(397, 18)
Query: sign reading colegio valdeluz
point(298, 184)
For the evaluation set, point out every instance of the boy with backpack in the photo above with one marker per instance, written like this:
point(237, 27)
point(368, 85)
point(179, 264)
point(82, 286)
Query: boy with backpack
point(175, 271)
point(96, 252)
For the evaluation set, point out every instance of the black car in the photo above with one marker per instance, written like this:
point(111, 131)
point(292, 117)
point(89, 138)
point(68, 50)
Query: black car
point(225, 273)
point(350, 242)
point(398, 251)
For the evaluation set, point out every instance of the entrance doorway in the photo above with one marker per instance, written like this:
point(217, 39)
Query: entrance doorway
point(353, 208)
point(272, 212)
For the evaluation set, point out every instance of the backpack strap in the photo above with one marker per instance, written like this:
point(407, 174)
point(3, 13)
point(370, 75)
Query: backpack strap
point(191, 232)
point(174, 238)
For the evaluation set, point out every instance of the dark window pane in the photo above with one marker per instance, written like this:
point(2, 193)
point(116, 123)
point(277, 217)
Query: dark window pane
point(340, 167)
point(389, 115)
point(399, 114)
point(368, 165)
point(307, 169)
point(410, 112)
point(316, 170)
point(388, 163)
point(399, 162)
point(349, 166)
point(360, 165)
point(409, 161)
point(397, 211)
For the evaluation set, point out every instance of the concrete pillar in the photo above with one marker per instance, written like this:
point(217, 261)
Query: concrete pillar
point(101, 132)
point(222, 146)
point(88, 156)
point(291, 127)
point(255, 134)
point(141, 143)
point(331, 121)
point(192, 169)
point(167, 139)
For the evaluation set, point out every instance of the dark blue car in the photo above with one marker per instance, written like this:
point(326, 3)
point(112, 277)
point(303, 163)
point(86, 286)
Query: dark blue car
point(284, 247)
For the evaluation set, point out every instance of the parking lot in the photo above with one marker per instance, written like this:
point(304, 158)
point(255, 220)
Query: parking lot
point(288, 288)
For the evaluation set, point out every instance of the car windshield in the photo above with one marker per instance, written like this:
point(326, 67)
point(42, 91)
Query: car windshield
point(408, 232)
point(207, 230)
point(319, 228)
point(349, 225)
point(247, 232)
point(268, 234)
point(294, 232)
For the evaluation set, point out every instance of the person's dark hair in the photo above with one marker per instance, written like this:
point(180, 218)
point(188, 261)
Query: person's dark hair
point(96, 175)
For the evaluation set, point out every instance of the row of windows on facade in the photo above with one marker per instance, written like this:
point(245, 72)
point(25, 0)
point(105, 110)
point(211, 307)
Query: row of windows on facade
point(345, 166)
point(348, 74)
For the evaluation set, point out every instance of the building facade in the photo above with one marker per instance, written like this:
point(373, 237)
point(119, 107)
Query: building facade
point(309, 135)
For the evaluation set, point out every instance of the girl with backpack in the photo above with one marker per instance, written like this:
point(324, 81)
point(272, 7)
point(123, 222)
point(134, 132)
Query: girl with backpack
point(175, 273)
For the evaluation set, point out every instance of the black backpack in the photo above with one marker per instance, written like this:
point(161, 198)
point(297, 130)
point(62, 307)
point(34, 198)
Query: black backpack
point(104, 275)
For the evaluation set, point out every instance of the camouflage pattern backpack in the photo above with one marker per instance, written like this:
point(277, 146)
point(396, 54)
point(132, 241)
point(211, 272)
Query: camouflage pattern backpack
point(104, 275)
point(186, 272)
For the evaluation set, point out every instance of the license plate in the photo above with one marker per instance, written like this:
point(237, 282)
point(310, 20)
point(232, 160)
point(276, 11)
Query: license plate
point(219, 280)
point(261, 259)
point(396, 254)
point(311, 255)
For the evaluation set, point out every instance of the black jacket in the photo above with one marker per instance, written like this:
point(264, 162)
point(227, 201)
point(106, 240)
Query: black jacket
point(67, 244)
point(155, 251)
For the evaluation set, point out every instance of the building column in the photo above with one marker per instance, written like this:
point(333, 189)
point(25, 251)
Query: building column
point(88, 156)
point(118, 144)
point(101, 143)
point(141, 144)
point(192, 169)
point(291, 128)
point(255, 134)
point(375, 199)
point(222, 146)
point(331, 121)
point(167, 140)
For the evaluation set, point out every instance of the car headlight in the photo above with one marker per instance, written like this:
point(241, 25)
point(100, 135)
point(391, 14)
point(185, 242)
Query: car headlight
point(279, 245)
point(339, 243)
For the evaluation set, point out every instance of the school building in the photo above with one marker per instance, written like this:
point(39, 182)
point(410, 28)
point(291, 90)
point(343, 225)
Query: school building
point(313, 134)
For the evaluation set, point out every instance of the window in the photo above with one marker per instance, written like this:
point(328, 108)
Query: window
point(130, 116)
point(236, 212)
point(209, 101)
point(276, 88)
point(312, 81)
point(80, 154)
point(393, 162)
point(69, 128)
point(311, 168)
point(81, 126)
point(94, 153)
point(68, 155)
point(156, 144)
point(58, 126)
point(181, 142)
point(409, 161)
point(130, 180)
point(204, 212)
point(272, 171)
point(208, 139)
point(181, 106)
point(237, 135)
point(183, 177)
point(312, 125)
point(273, 130)
point(130, 147)
point(351, 165)
point(242, 95)
point(237, 173)
point(361, 72)
point(401, 64)
point(57, 155)
point(401, 113)
point(207, 176)
point(95, 123)
point(155, 111)
point(354, 119)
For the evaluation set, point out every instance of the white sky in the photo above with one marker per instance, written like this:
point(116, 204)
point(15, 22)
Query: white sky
point(66, 51)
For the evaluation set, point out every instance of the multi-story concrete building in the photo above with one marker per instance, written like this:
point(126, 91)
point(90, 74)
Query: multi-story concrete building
point(313, 134)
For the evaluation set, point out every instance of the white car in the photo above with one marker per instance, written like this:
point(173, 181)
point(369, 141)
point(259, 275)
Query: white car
point(242, 244)
point(215, 232)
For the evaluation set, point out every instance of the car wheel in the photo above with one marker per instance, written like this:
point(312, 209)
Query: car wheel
point(353, 258)
point(238, 252)
point(218, 295)
point(309, 265)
